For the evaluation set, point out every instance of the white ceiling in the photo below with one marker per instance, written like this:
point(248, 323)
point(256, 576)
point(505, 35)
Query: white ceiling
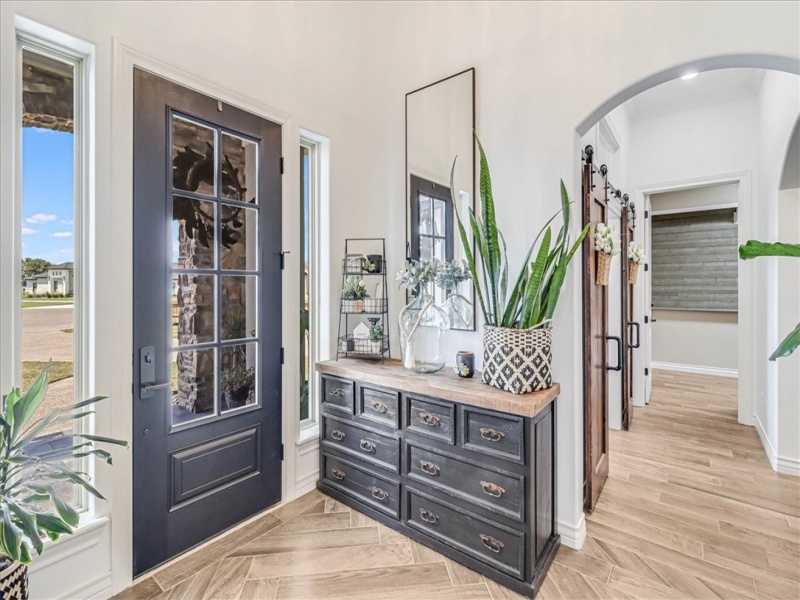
point(711, 87)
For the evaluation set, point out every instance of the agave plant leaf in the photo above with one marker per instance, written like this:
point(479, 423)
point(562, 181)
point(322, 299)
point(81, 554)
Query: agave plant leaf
point(490, 229)
point(465, 241)
point(754, 249)
point(790, 343)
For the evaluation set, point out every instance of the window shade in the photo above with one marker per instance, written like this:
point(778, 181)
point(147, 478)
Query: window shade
point(695, 260)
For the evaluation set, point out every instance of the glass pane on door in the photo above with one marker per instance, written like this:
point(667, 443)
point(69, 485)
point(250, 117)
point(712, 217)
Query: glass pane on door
point(193, 157)
point(193, 385)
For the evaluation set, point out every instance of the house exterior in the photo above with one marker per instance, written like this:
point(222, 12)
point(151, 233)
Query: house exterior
point(57, 280)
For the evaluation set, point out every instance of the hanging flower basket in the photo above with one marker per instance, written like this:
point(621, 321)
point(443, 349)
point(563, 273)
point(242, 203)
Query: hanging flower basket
point(517, 360)
point(14, 582)
point(633, 272)
point(603, 268)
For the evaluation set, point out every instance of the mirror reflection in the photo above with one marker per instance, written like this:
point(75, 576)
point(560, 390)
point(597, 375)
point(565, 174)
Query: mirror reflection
point(440, 119)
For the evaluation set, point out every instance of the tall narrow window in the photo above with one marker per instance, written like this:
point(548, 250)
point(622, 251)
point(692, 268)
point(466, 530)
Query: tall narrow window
point(306, 386)
point(50, 286)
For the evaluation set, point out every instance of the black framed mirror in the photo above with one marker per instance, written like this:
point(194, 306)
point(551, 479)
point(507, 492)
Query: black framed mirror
point(440, 121)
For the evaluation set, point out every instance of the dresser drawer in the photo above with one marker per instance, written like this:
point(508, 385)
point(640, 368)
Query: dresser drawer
point(493, 434)
point(498, 491)
point(369, 446)
point(337, 394)
point(492, 543)
point(378, 406)
point(378, 492)
point(435, 419)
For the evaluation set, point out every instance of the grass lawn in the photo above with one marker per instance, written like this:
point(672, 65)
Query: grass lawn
point(34, 302)
point(59, 371)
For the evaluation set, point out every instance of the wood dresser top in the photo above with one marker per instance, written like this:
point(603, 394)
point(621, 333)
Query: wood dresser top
point(444, 384)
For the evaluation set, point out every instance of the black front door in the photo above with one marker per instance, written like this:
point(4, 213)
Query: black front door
point(207, 318)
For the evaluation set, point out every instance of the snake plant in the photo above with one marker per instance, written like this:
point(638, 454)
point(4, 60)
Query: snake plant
point(754, 249)
point(536, 290)
point(32, 507)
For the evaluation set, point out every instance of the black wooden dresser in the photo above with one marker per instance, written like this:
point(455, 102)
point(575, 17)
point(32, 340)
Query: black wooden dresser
point(452, 463)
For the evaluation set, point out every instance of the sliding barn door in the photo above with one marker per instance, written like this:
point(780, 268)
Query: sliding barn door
point(595, 331)
point(630, 327)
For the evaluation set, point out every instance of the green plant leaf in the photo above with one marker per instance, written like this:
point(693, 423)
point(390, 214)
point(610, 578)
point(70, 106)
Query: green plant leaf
point(31, 400)
point(10, 535)
point(754, 249)
point(27, 523)
point(790, 343)
point(490, 229)
point(537, 271)
point(52, 525)
point(100, 438)
point(465, 242)
point(62, 507)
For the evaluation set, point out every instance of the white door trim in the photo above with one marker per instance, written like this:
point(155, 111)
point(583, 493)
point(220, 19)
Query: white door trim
point(748, 364)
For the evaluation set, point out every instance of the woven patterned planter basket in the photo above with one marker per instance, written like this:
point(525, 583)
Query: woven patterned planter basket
point(603, 268)
point(14, 582)
point(517, 360)
point(633, 272)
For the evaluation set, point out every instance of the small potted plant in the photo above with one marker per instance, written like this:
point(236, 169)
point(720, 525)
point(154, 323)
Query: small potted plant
point(32, 507)
point(353, 294)
point(636, 256)
point(237, 383)
point(376, 338)
point(606, 245)
point(347, 343)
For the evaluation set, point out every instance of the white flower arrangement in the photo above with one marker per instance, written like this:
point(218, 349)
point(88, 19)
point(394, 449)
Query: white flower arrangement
point(636, 253)
point(606, 239)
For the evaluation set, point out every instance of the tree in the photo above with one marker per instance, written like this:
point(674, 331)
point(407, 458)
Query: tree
point(34, 266)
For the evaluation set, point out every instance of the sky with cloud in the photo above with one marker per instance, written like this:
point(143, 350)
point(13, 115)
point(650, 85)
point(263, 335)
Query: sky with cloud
point(47, 195)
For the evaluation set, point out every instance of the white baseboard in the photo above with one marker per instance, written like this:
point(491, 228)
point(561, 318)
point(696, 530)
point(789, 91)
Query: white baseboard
point(781, 464)
point(696, 369)
point(572, 535)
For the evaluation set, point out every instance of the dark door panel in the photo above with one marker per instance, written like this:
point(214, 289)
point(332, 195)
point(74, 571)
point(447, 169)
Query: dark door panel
point(207, 313)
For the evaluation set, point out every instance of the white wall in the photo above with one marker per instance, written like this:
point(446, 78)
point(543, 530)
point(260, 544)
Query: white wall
point(697, 339)
point(343, 69)
point(778, 107)
point(788, 318)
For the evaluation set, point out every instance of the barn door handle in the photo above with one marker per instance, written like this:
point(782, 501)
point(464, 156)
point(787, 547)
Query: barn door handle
point(638, 335)
point(617, 339)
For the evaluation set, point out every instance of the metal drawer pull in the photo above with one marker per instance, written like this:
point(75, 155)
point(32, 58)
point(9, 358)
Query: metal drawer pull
point(367, 446)
point(492, 435)
point(338, 474)
point(380, 407)
point(379, 494)
point(338, 435)
point(429, 419)
point(337, 393)
point(429, 468)
point(492, 489)
point(491, 543)
point(428, 516)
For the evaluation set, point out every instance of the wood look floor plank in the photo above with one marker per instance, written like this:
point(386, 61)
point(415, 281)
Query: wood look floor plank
point(300, 505)
point(423, 554)
point(461, 575)
point(259, 589)
point(313, 522)
point(390, 536)
point(293, 542)
point(192, 588)
point(409, 579)
point(584, 563)
point(329, 560)
point(228, 579)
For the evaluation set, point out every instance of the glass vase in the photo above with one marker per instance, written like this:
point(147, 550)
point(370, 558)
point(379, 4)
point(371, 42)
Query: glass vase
point(422, 332)
point(458, 310)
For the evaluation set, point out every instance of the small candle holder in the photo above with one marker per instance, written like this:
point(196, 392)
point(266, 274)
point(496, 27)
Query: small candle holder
point(465, 364)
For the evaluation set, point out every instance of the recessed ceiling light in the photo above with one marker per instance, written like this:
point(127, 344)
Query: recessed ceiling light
point(689, 76)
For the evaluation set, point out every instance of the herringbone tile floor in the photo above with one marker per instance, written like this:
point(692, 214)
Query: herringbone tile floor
point(691, 509)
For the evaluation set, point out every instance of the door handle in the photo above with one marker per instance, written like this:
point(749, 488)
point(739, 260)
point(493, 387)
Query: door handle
point(617, 339)
point(149, 389)
point(638, 335)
